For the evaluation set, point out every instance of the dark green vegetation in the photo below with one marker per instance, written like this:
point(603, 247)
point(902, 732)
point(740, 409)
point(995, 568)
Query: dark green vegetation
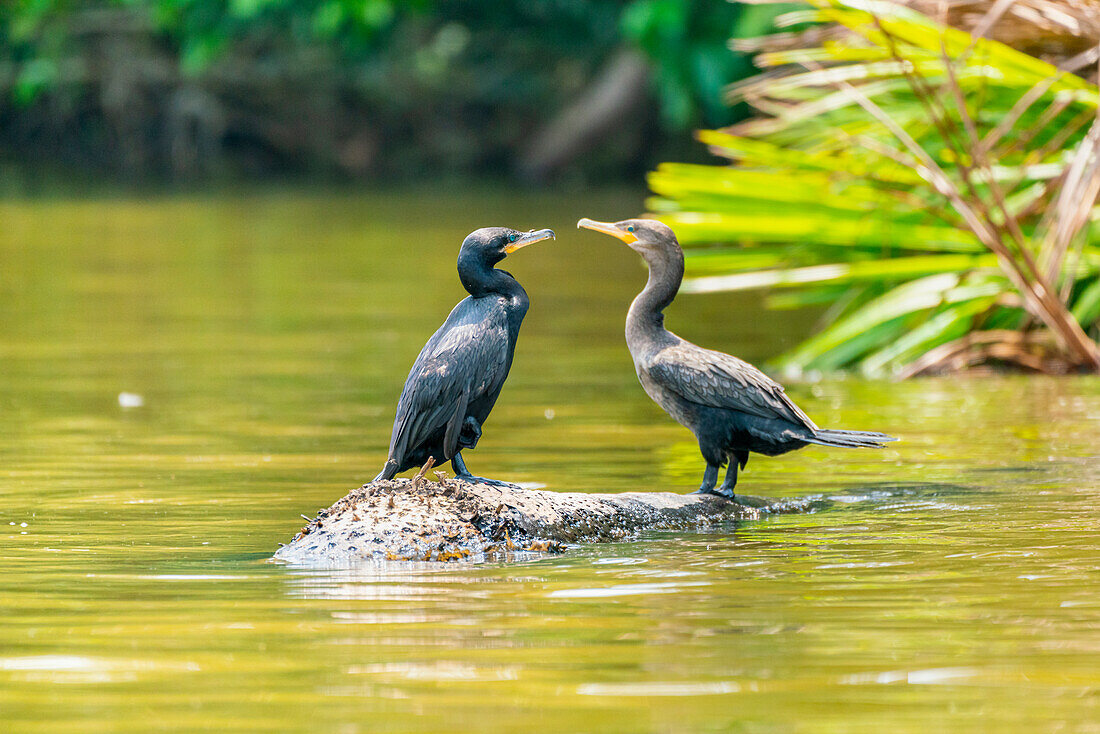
point(360, 88)
point(951, 587)
point(935, 188)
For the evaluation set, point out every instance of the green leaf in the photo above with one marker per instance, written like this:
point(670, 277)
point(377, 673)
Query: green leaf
point(913, 297)
point(35, 76)
point(946, 325)
point(901, 268)
point(1087, 307)
point(199, 52)
point(822, 201)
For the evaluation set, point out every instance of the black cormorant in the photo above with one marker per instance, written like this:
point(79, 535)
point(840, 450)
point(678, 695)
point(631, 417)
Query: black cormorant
point(457, 377)
point(731, 407)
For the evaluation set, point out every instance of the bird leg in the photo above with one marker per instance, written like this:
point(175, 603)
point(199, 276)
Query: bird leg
point(710, 478)
point(461, 472)
point(726, 490)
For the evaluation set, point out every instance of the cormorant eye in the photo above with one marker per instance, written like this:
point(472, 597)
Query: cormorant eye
point(511, 238)
point(630, 228)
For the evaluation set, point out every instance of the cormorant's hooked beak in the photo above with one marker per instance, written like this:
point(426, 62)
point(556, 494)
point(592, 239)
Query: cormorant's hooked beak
point(535, 235)
point(608, 228)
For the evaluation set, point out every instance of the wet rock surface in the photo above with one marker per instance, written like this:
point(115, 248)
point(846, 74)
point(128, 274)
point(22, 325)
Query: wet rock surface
point(452, 520)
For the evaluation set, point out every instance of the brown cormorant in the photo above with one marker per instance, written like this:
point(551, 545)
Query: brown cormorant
point(731, 407)
point(458, 375)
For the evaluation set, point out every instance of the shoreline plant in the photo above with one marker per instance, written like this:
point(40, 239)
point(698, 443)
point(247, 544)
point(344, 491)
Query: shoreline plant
point(934, 186)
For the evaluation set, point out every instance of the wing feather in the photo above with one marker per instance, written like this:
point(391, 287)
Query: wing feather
point(454, 425)
point(464, 360)
point(720, 380)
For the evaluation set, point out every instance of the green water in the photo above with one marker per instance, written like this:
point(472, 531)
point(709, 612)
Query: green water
point(953, 585)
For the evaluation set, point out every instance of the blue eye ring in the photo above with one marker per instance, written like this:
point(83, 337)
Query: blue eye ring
point(630, 228)
point(511, 238)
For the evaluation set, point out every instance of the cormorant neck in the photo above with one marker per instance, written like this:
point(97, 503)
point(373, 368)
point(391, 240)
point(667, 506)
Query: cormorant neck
point(480, 279)
point(645, 322)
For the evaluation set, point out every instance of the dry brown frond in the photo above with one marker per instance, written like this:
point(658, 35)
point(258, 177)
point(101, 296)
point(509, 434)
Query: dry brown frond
point(1065, 33)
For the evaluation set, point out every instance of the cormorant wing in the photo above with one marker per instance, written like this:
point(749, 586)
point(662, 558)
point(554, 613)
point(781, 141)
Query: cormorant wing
point(720, 380)
point(464, 360)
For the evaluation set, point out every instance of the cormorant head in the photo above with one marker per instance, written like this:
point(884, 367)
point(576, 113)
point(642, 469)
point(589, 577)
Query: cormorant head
point(653, 240)
point(490, 245)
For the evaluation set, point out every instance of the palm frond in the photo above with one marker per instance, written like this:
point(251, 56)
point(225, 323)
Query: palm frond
point(935, 180)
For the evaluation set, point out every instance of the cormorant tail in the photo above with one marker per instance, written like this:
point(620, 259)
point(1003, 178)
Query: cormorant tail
point(850, 439)
point(389, 471)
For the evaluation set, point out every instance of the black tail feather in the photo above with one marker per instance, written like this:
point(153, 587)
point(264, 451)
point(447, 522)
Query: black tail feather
point(850, 439)
point(389, 471)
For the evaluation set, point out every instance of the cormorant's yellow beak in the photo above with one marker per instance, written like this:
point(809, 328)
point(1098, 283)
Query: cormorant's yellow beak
point(529, 239)
point(608, 228)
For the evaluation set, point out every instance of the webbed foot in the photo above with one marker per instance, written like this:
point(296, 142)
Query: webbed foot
point(483, 480)
point(718, 492)
point(710, 479)
point(461, 472)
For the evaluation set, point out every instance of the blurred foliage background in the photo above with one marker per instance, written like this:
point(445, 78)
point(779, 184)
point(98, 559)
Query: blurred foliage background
point(365, 89)
point(921, 173)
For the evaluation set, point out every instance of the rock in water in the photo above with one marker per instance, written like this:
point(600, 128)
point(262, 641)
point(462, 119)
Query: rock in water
point(453, 520)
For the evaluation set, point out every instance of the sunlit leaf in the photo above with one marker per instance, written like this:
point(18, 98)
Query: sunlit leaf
point(911, 235)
